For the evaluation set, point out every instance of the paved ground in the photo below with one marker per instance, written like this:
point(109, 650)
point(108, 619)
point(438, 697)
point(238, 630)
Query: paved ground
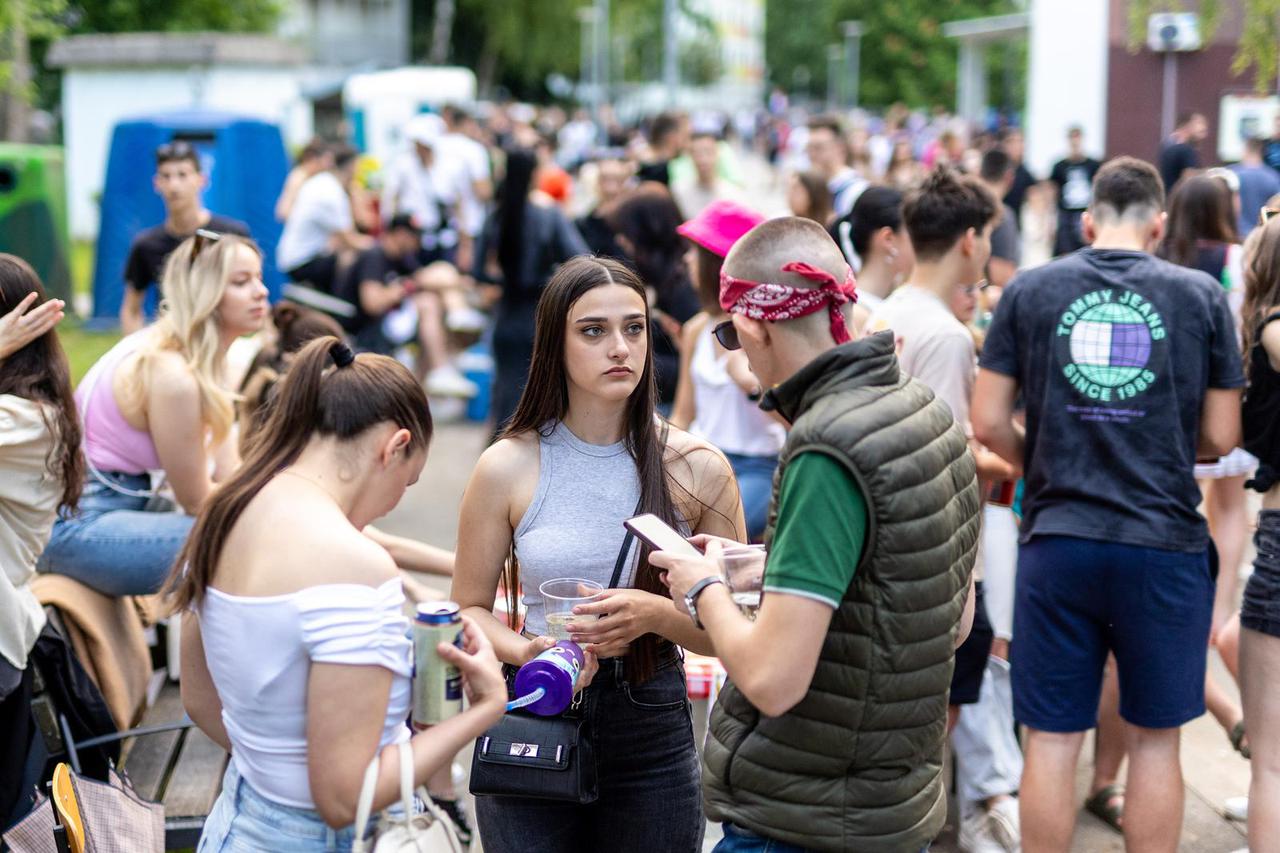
point(1213, 772)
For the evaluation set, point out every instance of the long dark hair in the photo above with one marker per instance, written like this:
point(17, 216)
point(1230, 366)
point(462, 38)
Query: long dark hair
point(1199, 209)
point(39, 371)
point(546, 400)
point(1261, 282)
point(649, 219)
point(315, 398)
point(513, 198)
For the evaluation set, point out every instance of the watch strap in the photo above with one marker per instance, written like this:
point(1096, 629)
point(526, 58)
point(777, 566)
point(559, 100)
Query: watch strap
point(691, 597)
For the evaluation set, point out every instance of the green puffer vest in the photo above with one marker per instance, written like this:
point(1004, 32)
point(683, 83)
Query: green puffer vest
point(857, 764)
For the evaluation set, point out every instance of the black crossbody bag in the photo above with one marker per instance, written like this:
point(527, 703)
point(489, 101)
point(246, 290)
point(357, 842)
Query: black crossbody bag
point(545, 758)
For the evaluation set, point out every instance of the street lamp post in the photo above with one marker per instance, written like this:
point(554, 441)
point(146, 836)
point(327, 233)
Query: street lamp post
point(586, 71)
point(670, 48)
point(852, 57)
point(601, 59)
point(835, 54)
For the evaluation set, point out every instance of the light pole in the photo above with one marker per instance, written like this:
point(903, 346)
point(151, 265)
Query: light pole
point(670, 45)
point(852, 57)
point(587, 84)
point(601, 59)
point(835, 54)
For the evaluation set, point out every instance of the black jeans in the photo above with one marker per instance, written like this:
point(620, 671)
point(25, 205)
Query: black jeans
point(650, 791)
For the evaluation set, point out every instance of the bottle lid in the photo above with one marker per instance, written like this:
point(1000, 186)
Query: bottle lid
point(438, 613)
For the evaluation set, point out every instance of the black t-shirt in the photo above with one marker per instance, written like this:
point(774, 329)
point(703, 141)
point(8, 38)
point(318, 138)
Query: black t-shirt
point(1113, 351)
point(1023, 180)
point(1074, 179)
point(373, 264)
point(1176, 158)
point(151, 247)
point(658, 171)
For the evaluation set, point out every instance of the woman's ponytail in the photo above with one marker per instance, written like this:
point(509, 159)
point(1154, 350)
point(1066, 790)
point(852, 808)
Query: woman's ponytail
point(289, 425)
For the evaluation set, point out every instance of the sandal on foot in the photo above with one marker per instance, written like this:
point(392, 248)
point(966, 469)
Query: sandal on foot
point(1237, 736)
point(1102, 805)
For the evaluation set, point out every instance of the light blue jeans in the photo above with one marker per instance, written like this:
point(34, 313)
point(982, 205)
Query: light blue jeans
point(755, 482)
point(112, 543)
point(243, 820)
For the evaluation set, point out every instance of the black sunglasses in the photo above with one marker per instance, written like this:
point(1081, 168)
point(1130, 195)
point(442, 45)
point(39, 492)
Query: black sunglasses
point(727, 335)
point(200, 239)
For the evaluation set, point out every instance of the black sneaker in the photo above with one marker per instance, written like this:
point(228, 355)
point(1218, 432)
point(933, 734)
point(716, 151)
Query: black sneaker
point(458, 815)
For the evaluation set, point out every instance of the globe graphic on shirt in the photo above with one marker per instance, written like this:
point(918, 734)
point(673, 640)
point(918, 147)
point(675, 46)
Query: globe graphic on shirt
point(1110, 344)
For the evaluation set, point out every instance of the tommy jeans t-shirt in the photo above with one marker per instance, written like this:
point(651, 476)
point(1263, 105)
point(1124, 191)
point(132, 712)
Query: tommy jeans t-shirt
point(1113, 351)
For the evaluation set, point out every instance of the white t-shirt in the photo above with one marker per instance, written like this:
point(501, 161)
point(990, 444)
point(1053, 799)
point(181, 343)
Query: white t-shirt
point(469, 161)
point(29, 495)
point(321, 210)
point(933, 346)
point(260, 650)
point(427, 193)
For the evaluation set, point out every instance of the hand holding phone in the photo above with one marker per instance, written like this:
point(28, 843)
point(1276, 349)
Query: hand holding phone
point(659, 535)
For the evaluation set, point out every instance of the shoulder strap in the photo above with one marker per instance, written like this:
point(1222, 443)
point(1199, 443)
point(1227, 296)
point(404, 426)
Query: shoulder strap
point(622, 556)
point(1274, 315)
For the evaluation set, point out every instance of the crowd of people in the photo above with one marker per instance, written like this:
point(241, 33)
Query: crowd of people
point(936, 443)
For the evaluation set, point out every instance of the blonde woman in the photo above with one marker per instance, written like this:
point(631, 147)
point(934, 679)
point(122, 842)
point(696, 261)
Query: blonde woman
point(156, 404)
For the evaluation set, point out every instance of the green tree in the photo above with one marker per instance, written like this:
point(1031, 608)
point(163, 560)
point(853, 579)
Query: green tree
point(21, 23)
point(123, 16)
point(905, 56)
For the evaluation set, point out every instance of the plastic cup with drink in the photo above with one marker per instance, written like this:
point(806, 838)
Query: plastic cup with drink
point(742, 568)
point(559, 597)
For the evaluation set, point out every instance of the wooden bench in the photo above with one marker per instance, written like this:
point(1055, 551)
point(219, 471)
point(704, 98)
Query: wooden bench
point(180, 768)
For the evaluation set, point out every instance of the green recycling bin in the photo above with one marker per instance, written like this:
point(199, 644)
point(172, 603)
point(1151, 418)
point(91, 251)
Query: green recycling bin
point(33, 212)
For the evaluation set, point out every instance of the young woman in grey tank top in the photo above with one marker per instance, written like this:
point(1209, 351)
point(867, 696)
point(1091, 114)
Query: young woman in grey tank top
point(583, 452)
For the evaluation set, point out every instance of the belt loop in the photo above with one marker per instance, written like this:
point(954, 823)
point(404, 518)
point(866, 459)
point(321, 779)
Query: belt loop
point(620, 671)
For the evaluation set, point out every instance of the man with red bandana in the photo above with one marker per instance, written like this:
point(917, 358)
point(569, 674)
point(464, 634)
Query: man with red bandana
point(828, 734)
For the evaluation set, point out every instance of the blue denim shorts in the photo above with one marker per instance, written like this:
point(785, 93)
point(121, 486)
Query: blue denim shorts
point(740, 840)
point(242, 820)
point(1260, 610)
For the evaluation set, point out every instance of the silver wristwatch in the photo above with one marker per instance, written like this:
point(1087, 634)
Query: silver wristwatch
point(691, 597)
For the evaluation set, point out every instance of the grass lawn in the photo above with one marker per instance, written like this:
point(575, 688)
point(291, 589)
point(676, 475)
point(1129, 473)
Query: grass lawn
point(83, 347)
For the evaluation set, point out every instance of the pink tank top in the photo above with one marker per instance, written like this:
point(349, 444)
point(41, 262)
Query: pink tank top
point(110, 443)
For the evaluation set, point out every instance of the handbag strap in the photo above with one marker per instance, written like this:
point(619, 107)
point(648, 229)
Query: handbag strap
point(406, 779)
point(365, 804)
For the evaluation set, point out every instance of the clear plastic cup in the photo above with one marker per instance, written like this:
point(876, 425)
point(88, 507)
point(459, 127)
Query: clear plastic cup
point(743, 571)
point(559, 597)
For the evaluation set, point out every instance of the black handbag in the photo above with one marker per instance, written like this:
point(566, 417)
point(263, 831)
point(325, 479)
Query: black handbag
point(546, 758)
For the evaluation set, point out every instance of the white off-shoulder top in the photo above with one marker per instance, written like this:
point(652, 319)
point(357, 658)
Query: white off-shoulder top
point(260, 650)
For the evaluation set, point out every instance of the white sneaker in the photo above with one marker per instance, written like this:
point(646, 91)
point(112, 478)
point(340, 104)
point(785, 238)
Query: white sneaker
point(1236, 808)
point(466, 319)
point(446, 381)
point(1004, 825)
point(975, 833)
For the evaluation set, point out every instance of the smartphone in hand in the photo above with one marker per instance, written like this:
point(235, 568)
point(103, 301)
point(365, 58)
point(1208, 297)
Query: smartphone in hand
point(659, 535)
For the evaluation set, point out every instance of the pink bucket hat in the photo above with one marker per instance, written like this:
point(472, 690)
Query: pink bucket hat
point(719, 226)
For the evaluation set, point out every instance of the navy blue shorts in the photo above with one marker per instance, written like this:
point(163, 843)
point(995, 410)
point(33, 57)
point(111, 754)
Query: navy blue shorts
point(1079, 599)
point(1260, 610)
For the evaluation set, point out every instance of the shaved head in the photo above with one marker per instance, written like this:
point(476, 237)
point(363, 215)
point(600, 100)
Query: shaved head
point(763, 251)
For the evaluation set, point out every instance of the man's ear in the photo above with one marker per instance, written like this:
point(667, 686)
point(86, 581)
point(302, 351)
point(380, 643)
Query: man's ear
point(969, 242)
point(1158, 227)
point(1088, 229)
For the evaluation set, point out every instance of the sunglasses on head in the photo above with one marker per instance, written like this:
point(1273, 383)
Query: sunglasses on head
point(200, 239)
point(727, 335)
point(177, 150)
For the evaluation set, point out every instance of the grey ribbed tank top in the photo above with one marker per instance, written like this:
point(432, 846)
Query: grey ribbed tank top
point(573, 527)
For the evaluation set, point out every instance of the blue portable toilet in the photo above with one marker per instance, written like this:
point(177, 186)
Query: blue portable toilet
point(245, 162)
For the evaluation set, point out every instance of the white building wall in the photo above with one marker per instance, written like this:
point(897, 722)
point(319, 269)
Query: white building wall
point(95, 100)
point(1067, 82)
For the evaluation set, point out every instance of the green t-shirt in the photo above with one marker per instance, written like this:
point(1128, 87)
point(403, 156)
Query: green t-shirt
point(820, 533)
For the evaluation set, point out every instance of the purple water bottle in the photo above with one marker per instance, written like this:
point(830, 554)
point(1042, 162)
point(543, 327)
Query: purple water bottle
point(555, 671)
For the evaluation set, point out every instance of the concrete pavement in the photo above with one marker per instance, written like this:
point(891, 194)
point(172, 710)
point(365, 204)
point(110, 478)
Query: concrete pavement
point(1212, 771)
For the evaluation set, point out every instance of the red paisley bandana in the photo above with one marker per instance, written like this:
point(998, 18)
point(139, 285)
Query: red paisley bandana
point(773, 302)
